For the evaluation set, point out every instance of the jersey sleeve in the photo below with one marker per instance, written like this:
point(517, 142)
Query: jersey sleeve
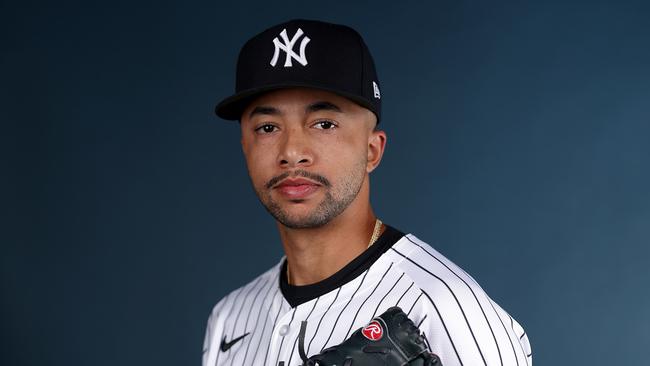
point(213, 333)
point(461, 323)
point(518, 331)
point(463, 326)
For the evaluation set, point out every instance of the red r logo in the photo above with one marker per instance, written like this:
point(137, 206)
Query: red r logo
point(373, 331)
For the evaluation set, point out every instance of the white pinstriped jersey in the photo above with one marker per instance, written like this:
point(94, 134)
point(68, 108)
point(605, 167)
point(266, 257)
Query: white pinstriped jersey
point(462, 325)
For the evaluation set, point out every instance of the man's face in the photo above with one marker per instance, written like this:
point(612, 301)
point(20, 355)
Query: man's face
point(308, 153)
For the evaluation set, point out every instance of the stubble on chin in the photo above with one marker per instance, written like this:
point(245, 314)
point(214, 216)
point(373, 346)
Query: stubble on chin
point(327, 209)
point(334, 202)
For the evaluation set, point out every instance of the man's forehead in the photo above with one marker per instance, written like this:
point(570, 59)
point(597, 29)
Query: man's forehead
point(297, 95)
point(307, 99)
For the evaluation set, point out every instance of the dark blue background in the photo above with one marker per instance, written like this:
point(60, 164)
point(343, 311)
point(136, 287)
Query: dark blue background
point(518, 147)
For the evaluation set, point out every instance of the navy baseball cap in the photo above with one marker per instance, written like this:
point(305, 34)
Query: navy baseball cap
point(304, 53)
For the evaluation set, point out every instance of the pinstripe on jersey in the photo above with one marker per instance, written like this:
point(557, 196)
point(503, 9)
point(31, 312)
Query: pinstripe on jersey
point(461, 323)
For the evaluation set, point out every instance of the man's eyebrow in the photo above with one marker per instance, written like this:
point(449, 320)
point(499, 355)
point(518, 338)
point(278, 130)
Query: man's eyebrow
point(264, 110)
point(323, 106)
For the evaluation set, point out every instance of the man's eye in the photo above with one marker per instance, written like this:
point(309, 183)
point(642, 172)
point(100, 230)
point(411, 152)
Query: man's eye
point(325, 125)
point(266, 128)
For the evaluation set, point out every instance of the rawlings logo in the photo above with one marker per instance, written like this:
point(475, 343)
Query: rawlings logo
point(373, 331)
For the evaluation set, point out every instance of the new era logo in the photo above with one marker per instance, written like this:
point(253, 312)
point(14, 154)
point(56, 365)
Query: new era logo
point(375, 88)
point(287, 47)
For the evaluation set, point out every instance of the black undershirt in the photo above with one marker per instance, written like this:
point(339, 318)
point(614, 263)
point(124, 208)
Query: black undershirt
point(296, 295)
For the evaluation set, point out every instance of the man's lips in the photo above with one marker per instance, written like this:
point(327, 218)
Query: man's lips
point(298, 188)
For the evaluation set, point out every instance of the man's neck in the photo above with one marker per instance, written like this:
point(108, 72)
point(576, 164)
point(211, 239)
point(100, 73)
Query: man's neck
point(317, 253)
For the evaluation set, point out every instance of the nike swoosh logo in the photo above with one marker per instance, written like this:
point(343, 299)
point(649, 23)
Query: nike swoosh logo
point(226, 345)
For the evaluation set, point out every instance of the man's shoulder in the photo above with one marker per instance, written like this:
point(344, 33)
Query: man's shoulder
point(429, 269)
point(245, 290)
point(476, 329)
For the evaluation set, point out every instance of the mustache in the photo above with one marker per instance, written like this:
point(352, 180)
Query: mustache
point(298, 173)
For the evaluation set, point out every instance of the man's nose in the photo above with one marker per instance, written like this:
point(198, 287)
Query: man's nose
point(295, 150)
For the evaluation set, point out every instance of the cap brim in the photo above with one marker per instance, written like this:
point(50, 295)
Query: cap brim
point(232, 107)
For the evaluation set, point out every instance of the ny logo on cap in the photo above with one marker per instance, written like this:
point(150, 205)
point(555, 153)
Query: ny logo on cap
point(287, 47)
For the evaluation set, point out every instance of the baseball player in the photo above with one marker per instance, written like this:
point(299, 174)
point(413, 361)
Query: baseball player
point(350, 289)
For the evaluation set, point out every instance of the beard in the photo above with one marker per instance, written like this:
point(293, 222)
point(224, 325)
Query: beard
point(337, 198)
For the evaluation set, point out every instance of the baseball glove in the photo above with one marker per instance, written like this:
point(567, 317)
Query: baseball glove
point(391, 339)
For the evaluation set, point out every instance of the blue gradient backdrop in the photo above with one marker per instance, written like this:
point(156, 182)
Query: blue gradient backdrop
point(518, 146)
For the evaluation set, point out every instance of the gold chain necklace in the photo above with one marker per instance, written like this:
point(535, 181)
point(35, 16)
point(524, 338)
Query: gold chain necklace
point(375, 235)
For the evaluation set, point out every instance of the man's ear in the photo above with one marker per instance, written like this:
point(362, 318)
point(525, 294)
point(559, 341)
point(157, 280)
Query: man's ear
point(376, 146)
